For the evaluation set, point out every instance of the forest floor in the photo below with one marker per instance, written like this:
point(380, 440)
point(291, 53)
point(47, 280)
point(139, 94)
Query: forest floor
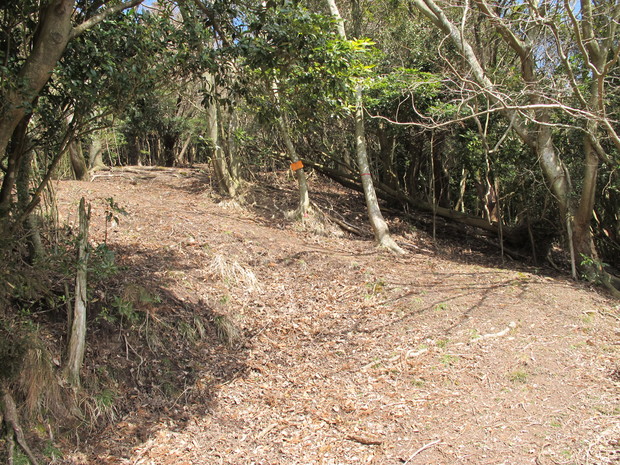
point(248, 339)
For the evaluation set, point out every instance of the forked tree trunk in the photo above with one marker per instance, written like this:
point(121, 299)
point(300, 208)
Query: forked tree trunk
point(227, 183)
point(77, 338)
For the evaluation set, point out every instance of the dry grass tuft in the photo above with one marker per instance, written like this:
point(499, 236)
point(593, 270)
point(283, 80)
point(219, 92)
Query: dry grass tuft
point(233, 273)
point(226, 329)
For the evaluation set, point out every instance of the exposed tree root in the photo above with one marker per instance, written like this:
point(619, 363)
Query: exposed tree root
point(9, 411)
point(390, 244)
point(611, 283)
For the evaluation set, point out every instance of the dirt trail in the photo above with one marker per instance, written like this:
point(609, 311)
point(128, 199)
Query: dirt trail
point(348, 354)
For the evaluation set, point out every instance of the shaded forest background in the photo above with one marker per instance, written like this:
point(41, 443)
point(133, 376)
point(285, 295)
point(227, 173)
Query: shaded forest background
point(500, 116)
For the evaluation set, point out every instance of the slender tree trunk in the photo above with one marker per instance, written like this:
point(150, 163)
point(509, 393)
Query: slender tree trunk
point(379, 226)
point(387, 143)
point(183, 158)
point(225, 182)
point(303, 207)
point(77, 338)
point(22, 184)
point(377, 222)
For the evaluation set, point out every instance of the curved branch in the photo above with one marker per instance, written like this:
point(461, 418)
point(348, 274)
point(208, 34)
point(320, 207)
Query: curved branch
point(96, 19)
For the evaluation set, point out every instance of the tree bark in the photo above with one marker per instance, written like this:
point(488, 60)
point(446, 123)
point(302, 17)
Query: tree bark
point(377, 222)
point(95, 155)
point(379, 226)
point(77, 338)
point(225, 182)
point(22, 184)
point(54, 30)
point(78, 162)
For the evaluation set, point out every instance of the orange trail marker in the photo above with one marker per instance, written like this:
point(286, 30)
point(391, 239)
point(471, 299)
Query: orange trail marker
point(297, 165)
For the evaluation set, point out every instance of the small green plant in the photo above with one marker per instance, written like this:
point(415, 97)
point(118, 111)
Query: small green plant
point(518, 376)
point(593, 269)
point(111, 215)
point(102, 263)
point(126, 310)
point(449, 360)
point(51, 451)
point(105, 399)
point(441, 307)
point(375, 287)
point(19, 458)
point(106, 315)
point(102, 405)
point(442, 343)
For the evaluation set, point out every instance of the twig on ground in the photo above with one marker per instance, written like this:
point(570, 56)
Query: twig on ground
point(366, 440)
point(423, 448)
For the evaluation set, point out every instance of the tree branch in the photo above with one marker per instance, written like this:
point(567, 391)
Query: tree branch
point(96, 19)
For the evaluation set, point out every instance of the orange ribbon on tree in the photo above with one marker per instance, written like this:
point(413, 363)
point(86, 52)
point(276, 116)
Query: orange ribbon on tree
point(297, 165)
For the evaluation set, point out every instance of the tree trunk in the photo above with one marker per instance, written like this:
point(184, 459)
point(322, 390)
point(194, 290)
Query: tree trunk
point(95, 155)
point(377, 222)
point(16, 151)
point(50, 43)
point(303, 206)
point(226, 184)
point(387, 144)
point(78, 162)
point(77, 338)
point(22, 184)
point(379, 226)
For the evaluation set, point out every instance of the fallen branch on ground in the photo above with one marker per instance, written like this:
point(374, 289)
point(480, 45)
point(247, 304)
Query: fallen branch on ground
point(12, 423)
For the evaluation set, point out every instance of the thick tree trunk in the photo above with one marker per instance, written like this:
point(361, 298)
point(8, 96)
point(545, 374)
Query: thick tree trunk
point(95, 155)
point(50, 43)
point(78, 162)
point(16, 151)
